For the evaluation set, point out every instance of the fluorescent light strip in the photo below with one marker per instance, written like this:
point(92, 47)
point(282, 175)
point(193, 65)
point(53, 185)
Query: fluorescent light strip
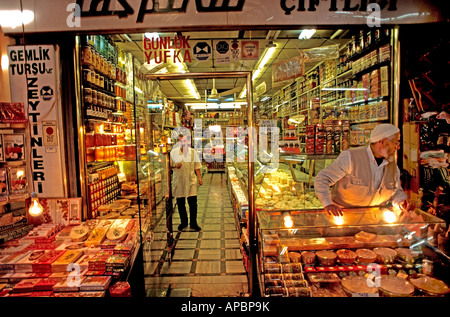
point(192, 88)
point(306, 34)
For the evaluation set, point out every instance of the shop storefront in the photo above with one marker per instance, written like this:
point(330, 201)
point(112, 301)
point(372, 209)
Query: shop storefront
point(100, 91)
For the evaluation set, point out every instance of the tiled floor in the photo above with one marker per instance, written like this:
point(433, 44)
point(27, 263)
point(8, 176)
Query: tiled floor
point(203, 264)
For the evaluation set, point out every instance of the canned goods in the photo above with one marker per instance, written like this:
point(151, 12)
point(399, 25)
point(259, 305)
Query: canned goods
point(87, 75)
point(94, 97)
point(86, 56)
point(88, 95)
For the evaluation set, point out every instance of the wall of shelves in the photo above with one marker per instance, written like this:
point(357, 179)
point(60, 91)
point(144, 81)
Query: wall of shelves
point(353, 90)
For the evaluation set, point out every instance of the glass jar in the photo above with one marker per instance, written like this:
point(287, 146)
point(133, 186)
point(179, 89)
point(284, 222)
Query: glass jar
point(87, 75)
point(86, 56)
point(94, 97)
point(90, 154)
point(130, 152)
point(88, 95)
point(90, 142)
point(99, 154)
point(98, 140)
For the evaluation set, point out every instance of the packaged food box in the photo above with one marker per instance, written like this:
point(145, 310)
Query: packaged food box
point(95, 283)
point(25, 265)
point(25, 286)
point(44, 263)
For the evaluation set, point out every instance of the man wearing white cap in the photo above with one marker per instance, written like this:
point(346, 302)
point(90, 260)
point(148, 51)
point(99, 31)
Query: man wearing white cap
point(363, 176)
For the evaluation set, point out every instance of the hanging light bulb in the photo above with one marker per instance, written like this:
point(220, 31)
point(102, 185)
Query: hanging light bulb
point(288, 222)
point(339, 220)
point(389, 216)
point(36, 208)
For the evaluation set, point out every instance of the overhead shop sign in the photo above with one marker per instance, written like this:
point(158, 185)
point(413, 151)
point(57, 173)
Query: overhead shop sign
point(162, 50)
point(34, 81)
point(201, 50)
point(120, 15)
point(222, 51)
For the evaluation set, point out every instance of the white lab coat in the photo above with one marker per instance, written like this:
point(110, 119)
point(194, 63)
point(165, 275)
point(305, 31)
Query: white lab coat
point(184, 180)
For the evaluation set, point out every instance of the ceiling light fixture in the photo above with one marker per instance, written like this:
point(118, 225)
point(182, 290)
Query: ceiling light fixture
point(306, 34)
point(192, 88)
point(151, 35)
point(15, 18)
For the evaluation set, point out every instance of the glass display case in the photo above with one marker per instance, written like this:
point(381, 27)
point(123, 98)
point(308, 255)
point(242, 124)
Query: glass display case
point(367, 252)
point(290, 185)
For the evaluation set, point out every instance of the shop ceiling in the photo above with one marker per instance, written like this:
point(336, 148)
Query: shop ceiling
point(287, 43)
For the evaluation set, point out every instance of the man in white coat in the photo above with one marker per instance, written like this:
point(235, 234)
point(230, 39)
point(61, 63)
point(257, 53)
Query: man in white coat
point(364, 176)
point(186, 165)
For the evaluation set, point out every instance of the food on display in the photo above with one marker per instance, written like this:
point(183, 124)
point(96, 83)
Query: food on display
point(407, 255)
point(394, 286)
point(431, 286)
point(277, 192)
point(326, 258)
point(346, 256)
point(308, 257)
point(323, 278)
point(95, 283)
point(365, 256)
point(120, 289)
point(294, 257)
point(117, 233)
point(357, 285)
point(299, 291)
point(79, 233)
point(385, 255)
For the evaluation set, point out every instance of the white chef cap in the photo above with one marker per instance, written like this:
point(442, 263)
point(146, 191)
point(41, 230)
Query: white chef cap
point(382, 131)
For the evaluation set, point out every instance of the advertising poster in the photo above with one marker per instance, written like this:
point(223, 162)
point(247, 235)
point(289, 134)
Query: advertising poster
point(34, 78)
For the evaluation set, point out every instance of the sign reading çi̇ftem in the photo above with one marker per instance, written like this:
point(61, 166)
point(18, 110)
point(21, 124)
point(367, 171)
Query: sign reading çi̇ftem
point(34, 81)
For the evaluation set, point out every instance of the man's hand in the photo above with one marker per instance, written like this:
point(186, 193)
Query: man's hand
point(200, 181)
point(406, 205)
point(334, 210)
point(178, 165)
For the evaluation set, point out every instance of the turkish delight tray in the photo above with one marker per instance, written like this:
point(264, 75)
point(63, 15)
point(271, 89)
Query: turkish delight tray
point(95, 283)
point(44, 263)
point(25, 265)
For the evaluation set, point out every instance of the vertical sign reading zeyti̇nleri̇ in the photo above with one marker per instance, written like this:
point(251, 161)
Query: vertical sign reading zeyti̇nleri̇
point(33, 73)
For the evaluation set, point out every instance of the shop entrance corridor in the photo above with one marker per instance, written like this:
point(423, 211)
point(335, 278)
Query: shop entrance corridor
point(203, 264)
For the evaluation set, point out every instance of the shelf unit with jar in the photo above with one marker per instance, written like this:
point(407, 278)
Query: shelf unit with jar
point(213, 146)
point(353, 89)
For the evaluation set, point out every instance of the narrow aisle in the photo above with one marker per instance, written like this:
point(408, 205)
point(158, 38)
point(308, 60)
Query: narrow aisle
point(206, 263)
